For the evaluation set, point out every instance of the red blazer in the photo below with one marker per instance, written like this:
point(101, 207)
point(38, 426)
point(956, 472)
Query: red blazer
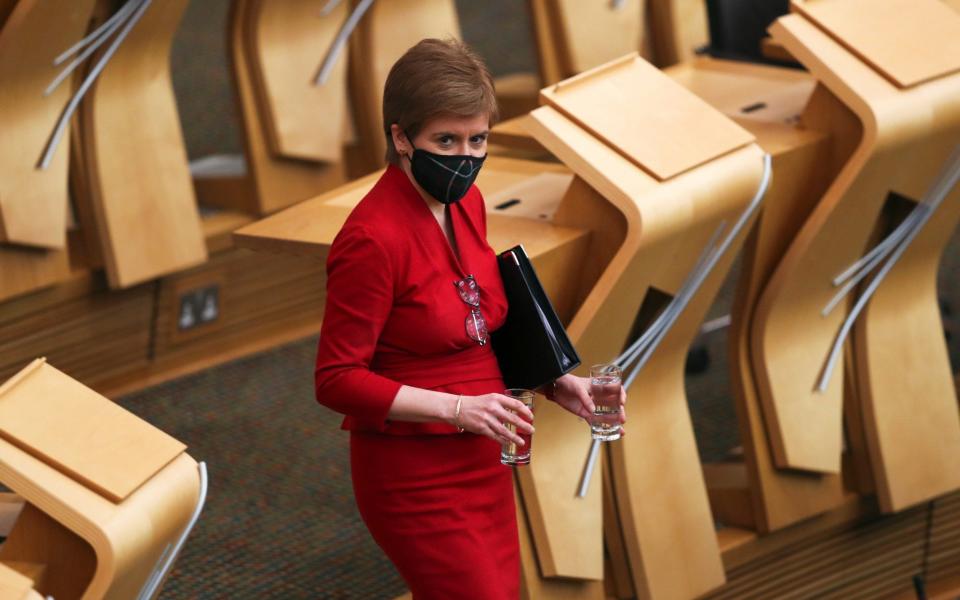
point(393, 314)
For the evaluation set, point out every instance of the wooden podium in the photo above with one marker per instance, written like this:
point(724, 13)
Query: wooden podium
point(107, 498)
point(291, 152)
point(906, 109)
point(658, 170)
point(135, 161)
point(34, 212)
point(749, 490)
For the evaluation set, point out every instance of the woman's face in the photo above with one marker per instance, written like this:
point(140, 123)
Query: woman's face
point(453, 135)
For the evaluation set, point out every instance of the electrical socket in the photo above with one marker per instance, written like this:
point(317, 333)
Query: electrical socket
point(198, 307)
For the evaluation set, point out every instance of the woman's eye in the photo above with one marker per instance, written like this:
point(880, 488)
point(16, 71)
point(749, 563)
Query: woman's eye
point(445, 140)
point(478, 139)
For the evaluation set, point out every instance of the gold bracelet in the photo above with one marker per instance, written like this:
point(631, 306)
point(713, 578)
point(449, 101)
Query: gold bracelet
point(456, 413)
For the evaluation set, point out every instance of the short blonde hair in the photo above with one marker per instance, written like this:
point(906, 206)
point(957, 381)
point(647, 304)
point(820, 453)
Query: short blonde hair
point(434, 78)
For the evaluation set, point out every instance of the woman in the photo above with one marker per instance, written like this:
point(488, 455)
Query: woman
point(413, 290)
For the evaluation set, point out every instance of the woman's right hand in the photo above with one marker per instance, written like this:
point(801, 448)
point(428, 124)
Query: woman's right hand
point(485, 415)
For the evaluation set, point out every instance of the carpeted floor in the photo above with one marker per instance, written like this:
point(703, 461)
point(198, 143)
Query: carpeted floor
point(280, 521)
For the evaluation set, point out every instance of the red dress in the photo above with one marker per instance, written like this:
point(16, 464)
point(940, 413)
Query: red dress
point(439, 503)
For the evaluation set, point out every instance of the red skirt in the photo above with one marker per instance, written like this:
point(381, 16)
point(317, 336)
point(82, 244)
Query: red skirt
point(442, 509)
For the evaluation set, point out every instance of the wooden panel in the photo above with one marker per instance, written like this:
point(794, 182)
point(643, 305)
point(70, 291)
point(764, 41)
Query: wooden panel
point(301, 119)
point(542, 21)
point(906, 41)
point(143, 196)
point(33, 202)
point(601, 328)
point(908, 397)
point(901, 149)
point(593, 33)
point(88, 331)
point(13, 585)
point(74, 531)
point(274, 183)
point(24, 270)
point(39, 538)
point(678, 28)
point(517, 94)
point(777, 497)
point(512, 134)
point(533, 584)
point(387, 31)
point(82, 433)
point(746, 92)
point(643, 114)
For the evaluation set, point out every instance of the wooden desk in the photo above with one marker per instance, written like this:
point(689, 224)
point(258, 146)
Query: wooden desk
point(906, 134)
point(768, 102)
point(662, 209)
point(135, 159)
point(105, 493)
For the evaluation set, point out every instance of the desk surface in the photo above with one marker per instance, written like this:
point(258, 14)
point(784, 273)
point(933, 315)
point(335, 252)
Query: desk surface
point(309, 228)
point(907, 41)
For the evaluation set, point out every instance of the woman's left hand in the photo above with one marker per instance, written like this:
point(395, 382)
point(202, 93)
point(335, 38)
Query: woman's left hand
point(573, 393)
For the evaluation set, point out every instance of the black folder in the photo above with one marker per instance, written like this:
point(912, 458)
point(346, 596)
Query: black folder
point(532, 346)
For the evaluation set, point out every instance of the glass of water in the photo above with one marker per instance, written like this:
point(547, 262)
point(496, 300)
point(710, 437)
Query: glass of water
point(605, 389)
point(511, 453)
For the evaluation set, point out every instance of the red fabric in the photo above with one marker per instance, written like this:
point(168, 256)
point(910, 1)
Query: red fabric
point(439, 504)
point(442, 509)
point(393, 315)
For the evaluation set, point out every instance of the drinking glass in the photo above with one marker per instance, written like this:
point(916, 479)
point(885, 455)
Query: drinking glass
point(605, 389)
point(511, 453)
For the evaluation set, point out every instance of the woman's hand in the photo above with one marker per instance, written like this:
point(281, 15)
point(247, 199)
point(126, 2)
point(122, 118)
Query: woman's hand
point(573, 393)
point(485, 415)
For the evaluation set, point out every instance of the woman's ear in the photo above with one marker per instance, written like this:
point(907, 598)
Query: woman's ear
point(400, 140)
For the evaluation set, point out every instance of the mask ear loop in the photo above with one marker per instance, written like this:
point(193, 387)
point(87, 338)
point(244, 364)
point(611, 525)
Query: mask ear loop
point(409, 141)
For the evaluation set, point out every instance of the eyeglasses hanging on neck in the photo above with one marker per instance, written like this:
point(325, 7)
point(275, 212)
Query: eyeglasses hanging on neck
point(475, 325)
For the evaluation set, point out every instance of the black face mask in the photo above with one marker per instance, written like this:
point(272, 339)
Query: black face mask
point(446, 177)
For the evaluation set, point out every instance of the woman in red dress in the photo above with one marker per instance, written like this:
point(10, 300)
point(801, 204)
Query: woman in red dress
point(404, 350)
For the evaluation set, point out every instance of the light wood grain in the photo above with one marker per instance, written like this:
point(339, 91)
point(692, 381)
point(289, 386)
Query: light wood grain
point(129, 451)
point(301, 119)
point(593, 33)
point(833, 237)
point(659, 562)
point(543, 25)
point(748, 93)
point(533, 584)
point(33, 202)
point(512, 134)
point(677, 29)
point(90, 546)
point(275, 183)
point(136, 160)
point(91, 333)
point(15, 586)
point(777, 498)
point(24, 270)
point(907, 41)
point(517, 93)
point(387, 31)
point(595, 99)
